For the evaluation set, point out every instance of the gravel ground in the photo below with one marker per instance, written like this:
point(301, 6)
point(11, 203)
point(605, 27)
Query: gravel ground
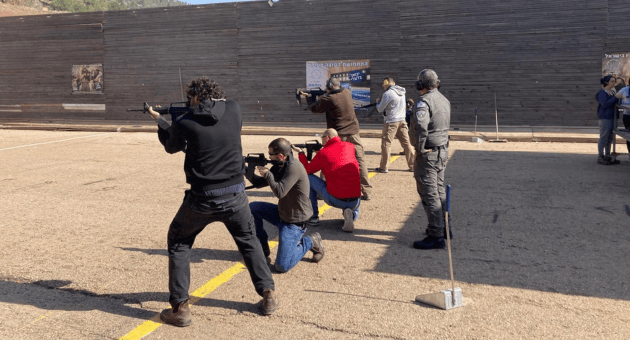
point(540, 247)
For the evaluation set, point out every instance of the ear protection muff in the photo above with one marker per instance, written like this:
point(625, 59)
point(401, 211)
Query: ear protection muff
point(385, 82)
point(419, 85)
point(427, 77)
point(329, 84)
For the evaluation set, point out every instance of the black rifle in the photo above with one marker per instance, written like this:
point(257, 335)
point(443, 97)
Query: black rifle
point(252, 160)
point(371, 111)
point(310, 146)
point(176, 110)
point(314, 93)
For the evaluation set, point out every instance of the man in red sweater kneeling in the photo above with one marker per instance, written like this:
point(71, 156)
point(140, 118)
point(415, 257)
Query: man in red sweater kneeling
point(342, 188)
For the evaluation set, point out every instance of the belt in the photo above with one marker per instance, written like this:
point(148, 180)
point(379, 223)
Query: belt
point(351, 199)
point(300, 224)
point(222, 198)
point(436, 148)
point(220, 192)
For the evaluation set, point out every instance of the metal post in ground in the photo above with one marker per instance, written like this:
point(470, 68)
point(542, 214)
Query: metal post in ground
point(496, 119)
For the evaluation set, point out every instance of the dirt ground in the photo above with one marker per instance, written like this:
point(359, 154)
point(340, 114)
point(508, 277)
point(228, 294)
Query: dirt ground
point(10, 10)
point(540, 248)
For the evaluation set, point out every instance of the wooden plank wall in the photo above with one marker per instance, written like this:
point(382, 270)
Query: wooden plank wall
point(275, 43)
point(542, 59)
point(618, 32)
point(36, 58)
point(146, 49)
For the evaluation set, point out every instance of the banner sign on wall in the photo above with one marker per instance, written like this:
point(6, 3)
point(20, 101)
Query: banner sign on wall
point(352, 74)
point(617, 64)
point(87, 79)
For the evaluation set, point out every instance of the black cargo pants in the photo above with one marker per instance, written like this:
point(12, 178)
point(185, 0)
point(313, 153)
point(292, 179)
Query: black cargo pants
point(195, 213)
point(429, 174)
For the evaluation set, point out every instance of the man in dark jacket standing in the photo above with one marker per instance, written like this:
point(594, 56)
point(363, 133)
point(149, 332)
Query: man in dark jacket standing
point(430, 123)
point(339, 109)
point(289, 182)
point(210, 135)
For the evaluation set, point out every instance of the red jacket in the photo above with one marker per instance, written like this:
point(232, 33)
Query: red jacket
point(339, 165)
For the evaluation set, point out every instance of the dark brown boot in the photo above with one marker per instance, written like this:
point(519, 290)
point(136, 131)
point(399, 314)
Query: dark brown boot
point(178, 315)
point(269, 302)
point(318, 248)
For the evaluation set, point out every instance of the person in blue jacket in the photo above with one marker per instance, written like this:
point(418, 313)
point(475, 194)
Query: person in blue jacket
point(607, 113)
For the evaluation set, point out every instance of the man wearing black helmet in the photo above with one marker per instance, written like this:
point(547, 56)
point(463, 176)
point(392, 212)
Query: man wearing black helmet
point(430, 123)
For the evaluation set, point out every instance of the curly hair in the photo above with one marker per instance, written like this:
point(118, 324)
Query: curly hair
point(205, 88)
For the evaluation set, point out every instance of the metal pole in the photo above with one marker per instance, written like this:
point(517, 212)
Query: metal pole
point(614, 133)
point(181, 84)
point(448, 241)
point(496, 114)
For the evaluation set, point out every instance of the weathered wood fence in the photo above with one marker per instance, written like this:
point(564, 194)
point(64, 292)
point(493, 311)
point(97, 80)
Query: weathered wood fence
point(542, 59)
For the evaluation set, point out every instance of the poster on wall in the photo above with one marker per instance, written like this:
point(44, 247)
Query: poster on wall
point(87, 79)
point(618, 65)
point(352, 74)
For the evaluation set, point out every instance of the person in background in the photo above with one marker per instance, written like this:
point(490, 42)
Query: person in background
point(430, 124)
point(607, 113)
point(624, 93)
point(393, 107)
point(338, 106)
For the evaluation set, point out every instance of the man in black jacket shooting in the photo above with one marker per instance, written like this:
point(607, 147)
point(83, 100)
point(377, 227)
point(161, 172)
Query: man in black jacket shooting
point(210, 133)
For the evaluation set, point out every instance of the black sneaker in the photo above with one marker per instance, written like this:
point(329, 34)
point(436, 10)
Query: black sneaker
point(382, 171)
point(602, 161)
point(266, 250)
point(313, 221)
point(612, 161)
point(430, 242)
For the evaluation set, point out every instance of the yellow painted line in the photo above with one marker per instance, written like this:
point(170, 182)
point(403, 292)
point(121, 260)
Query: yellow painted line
point(41, 317)
point(324, 208)
point(391, 160)
point(150, 325)
point(144, 329)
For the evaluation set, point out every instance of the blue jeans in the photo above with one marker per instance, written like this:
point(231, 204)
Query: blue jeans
point(318, 187)
point(605, 137)
point(291, 245)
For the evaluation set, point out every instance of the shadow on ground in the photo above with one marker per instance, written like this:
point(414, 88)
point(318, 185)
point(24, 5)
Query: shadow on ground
point(54, 295)
point(198, 255)
point(543, 221)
